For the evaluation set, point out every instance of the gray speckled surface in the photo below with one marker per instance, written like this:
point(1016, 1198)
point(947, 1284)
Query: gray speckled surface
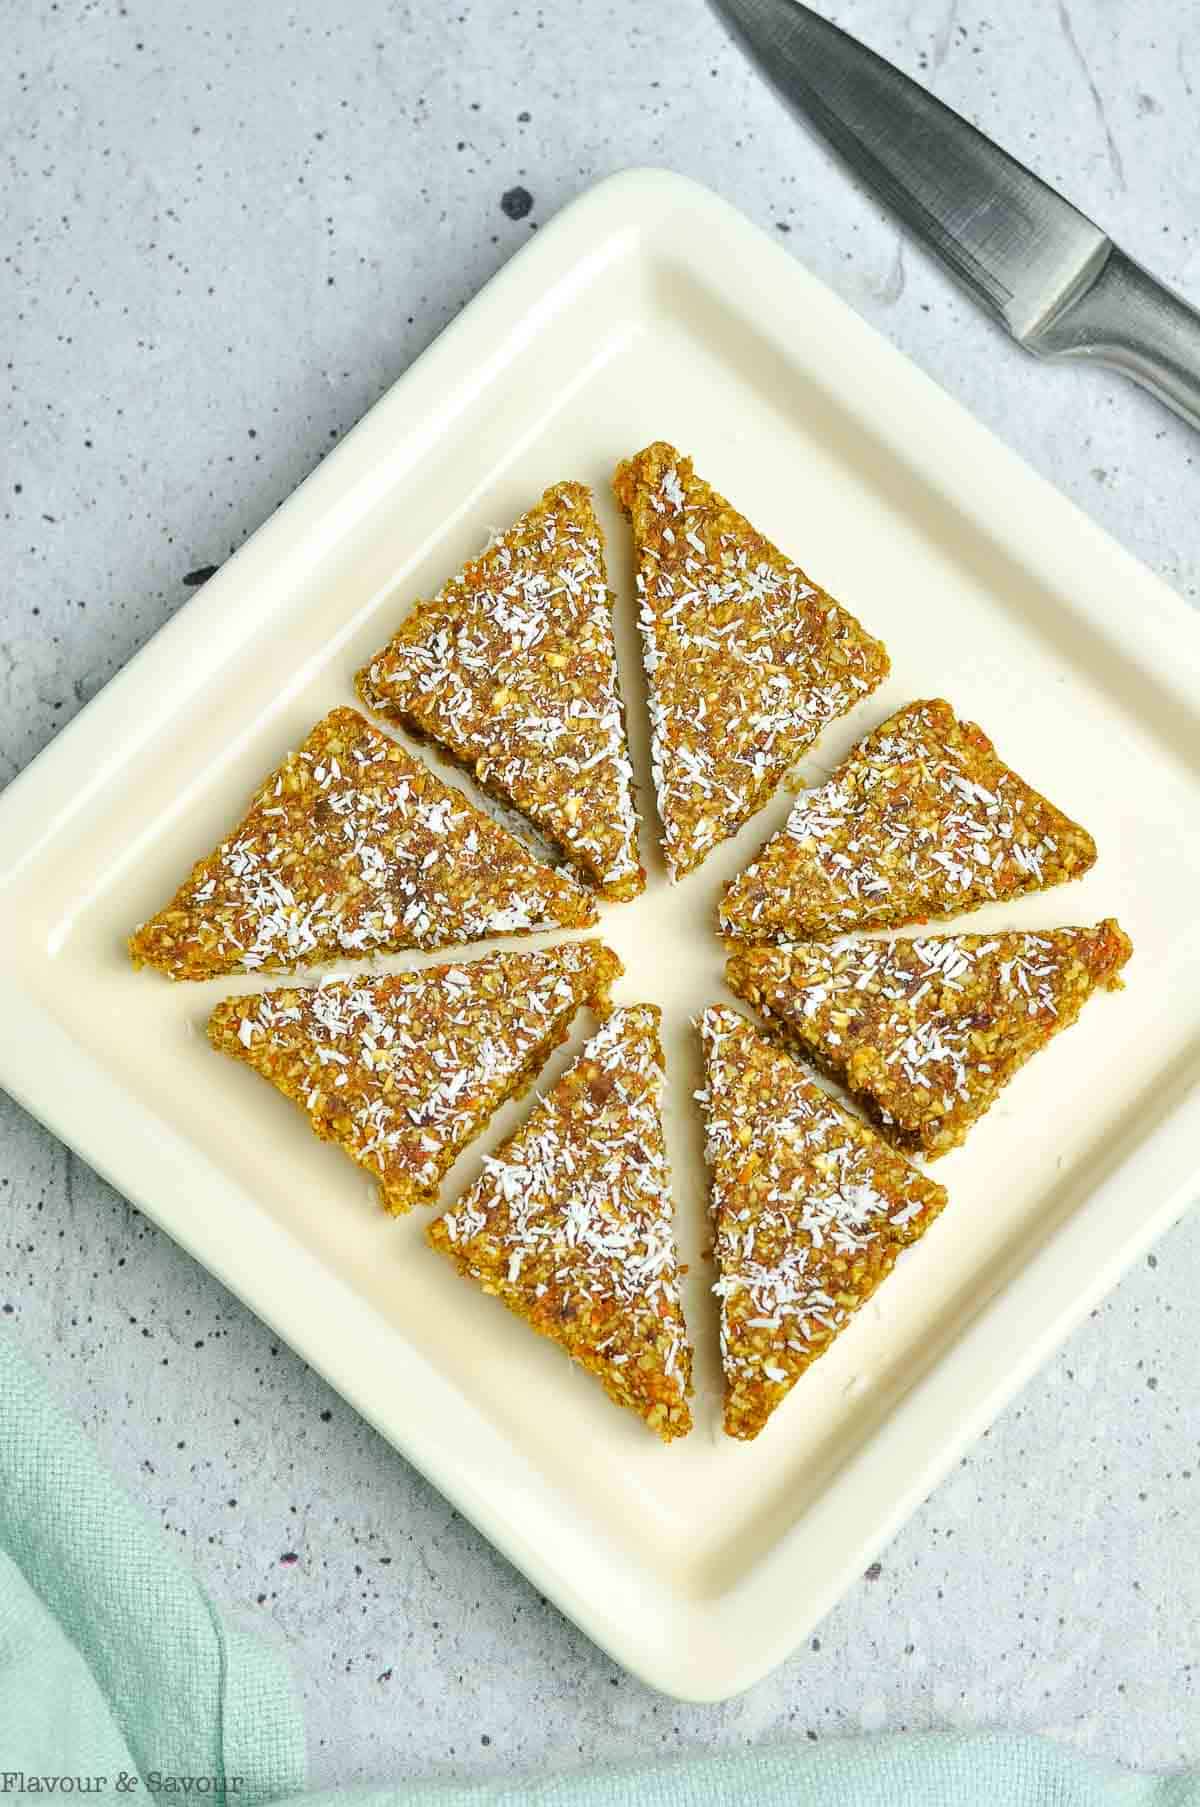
point(226, 230)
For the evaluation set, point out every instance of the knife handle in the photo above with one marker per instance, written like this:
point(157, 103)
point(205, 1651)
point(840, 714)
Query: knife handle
point(1126, 319)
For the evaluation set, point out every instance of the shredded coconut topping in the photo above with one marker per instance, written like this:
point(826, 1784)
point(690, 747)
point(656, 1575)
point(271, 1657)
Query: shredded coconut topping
point(512, 668)
point(810, 1209)
point(927, 1031)
point(402, 1071)
point(922, 819)
point(352, 847)
point(746, 659)
point(571, 1223)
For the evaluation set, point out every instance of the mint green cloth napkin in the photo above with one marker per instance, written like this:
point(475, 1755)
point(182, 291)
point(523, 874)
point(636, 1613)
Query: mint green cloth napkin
point(112, 1659)
point(115, 1664)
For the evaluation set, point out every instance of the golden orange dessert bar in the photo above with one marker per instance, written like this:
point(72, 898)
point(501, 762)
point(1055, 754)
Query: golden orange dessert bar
point(353, 847)
point(747, 659)
point(922, 819)
point(571, 1225)
point(810, 1210)
point(512, 669)
point(401, 1072)
point(925, 1033)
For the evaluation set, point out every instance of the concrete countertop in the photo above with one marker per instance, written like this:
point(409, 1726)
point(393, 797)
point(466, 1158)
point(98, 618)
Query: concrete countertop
point(227, 229)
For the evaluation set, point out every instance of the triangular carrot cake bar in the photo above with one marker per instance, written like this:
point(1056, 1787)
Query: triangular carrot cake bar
point(402, 1072)
point(512, 669)
point(353, 847)
point(922, 819)
point(747, 659)
point(571, 1225)
point(925, 1033)
point(810, 1210)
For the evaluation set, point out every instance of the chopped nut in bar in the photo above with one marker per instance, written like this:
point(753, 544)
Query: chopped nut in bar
point(401, 1072)
point(747, 659)
point(571, 1225)
point(353, 847)
point(810, 1210)
point(512, 669)
point(922, 819)
point(925, 1033)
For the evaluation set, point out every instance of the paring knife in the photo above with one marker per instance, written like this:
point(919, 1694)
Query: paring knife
point(1046, 272)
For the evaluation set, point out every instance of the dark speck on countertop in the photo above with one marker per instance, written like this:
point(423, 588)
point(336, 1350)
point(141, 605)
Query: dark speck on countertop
point(516, 202)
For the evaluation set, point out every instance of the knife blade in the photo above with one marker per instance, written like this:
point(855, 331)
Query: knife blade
point(1044, 271)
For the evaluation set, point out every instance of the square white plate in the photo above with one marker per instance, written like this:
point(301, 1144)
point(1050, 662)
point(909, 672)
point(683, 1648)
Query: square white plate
point(649, 309)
